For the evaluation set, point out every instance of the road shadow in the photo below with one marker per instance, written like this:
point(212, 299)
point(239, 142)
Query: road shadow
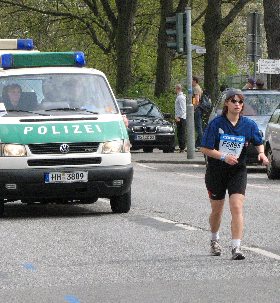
point(36, 210)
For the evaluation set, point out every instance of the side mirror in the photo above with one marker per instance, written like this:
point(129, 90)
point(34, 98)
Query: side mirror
point(129, 106)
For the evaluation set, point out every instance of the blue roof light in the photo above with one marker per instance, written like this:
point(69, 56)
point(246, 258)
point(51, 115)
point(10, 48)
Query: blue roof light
point(80, 58)
point(6, 61)
point(16, 44)
point(26, 44)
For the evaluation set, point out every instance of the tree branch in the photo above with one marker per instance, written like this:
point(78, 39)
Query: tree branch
point(233, 13)
point(92, 6)
point(110, 14)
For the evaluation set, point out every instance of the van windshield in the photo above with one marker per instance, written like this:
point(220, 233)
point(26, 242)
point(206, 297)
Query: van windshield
point(261, 105)
point(57, 92)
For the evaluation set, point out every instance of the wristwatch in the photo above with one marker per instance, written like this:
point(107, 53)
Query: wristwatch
point(223, 157)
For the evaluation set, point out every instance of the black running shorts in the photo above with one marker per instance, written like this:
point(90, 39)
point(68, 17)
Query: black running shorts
point(218, 180)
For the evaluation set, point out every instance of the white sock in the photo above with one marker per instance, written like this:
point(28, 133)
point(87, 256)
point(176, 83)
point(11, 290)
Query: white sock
point(235, 242)
point(215, 236)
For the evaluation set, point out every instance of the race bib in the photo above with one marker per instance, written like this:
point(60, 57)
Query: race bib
point(231, 144)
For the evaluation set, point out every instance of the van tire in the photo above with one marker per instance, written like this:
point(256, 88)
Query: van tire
point(122, 203)
point(271, 170)
point(1, 208)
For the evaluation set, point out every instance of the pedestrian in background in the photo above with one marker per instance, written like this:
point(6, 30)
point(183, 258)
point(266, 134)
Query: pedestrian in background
point(259, 84)
point(180, 117)
point(225, 142)
point(250, 84)
point(197, 93)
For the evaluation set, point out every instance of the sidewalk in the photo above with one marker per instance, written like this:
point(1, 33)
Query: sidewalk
point(157, 156)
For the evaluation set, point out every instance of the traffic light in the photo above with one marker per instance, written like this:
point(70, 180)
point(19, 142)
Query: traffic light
point(175, 30)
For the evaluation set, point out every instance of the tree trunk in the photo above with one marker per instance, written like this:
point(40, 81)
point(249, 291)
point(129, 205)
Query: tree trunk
point(272, 25)
point(124, 39)
point(212, 33)
point(213, 27)
point(164, 54)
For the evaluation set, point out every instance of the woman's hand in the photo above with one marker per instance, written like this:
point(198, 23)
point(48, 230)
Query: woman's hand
point(263, 158)
point(231, 160)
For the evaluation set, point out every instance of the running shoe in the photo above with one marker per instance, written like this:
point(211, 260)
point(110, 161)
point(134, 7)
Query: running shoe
point(237, 254)
point(215, 248)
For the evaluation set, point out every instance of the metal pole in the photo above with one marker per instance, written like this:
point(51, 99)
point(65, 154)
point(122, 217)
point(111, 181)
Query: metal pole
point(190, 108)
point(255, 41)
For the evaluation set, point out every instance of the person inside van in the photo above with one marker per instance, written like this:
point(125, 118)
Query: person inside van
point(11, 96)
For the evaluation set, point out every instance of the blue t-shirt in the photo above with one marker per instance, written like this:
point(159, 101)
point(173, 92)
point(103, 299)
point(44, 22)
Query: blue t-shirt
point(221, 135)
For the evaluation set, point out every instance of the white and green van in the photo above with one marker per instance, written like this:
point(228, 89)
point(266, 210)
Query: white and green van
point(65, 140)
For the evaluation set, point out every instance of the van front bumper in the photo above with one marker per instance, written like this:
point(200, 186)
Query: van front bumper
point(29, 184)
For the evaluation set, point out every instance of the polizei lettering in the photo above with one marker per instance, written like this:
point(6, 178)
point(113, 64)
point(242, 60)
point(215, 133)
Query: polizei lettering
point(62, 129)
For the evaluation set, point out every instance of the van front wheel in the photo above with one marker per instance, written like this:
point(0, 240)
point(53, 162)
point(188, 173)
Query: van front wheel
point(122, 203)
point(1, 208)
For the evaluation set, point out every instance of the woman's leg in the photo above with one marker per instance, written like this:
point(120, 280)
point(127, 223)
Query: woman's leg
point(236, 202)
point(215, 218)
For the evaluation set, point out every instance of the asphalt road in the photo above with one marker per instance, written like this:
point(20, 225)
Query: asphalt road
point(158, 252)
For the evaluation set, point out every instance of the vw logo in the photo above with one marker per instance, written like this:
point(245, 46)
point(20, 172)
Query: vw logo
point(64, 148)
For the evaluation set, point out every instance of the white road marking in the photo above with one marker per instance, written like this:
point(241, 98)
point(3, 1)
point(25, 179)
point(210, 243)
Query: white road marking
point(263, 187)
point(191, 228)
point(181, 225)
point(146, 166)
point(190, 175)
point(253, 249)
point(262, 252)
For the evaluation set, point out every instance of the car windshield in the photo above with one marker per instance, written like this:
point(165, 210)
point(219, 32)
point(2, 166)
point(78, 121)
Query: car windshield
point(56, 92)
point(258, 104)
point(147, 109)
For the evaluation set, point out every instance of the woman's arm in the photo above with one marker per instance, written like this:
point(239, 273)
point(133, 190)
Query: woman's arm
point(213, 153)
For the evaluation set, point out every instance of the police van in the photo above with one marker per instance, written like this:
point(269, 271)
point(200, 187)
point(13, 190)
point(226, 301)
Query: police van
point(62, 136)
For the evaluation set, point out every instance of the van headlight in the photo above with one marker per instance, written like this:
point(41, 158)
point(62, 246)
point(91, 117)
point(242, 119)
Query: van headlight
point(118, 146)
point(13, 150)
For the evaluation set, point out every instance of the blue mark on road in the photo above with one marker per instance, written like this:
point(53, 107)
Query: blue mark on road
point(29, 266)
point(71, 299)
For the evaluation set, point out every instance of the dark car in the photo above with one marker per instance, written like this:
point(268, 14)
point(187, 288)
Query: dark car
point(258, 106)
point(148, 128)
point(272, 145)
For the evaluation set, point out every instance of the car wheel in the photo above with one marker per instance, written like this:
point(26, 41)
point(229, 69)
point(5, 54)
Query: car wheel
point(271, 170)
point(122, 203)
point(169, 149)
point(147, 149)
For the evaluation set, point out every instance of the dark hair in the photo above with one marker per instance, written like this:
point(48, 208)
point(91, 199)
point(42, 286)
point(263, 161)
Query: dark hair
point(195, 79)
point(225, 108)
point(259, 83)
point(251, 81)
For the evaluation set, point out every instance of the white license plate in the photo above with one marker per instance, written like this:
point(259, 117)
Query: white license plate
point(145, 137)
point(66, 177)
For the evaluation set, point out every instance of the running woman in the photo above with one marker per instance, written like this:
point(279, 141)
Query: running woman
point(225, 142)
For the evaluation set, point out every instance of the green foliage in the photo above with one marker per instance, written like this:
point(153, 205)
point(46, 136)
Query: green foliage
point(64, 33)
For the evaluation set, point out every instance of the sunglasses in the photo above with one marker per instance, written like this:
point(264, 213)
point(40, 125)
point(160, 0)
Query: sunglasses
point(236, 101)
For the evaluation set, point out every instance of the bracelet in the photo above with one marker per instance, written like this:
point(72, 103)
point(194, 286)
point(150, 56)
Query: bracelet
point(223, 157)
point(261, 152)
